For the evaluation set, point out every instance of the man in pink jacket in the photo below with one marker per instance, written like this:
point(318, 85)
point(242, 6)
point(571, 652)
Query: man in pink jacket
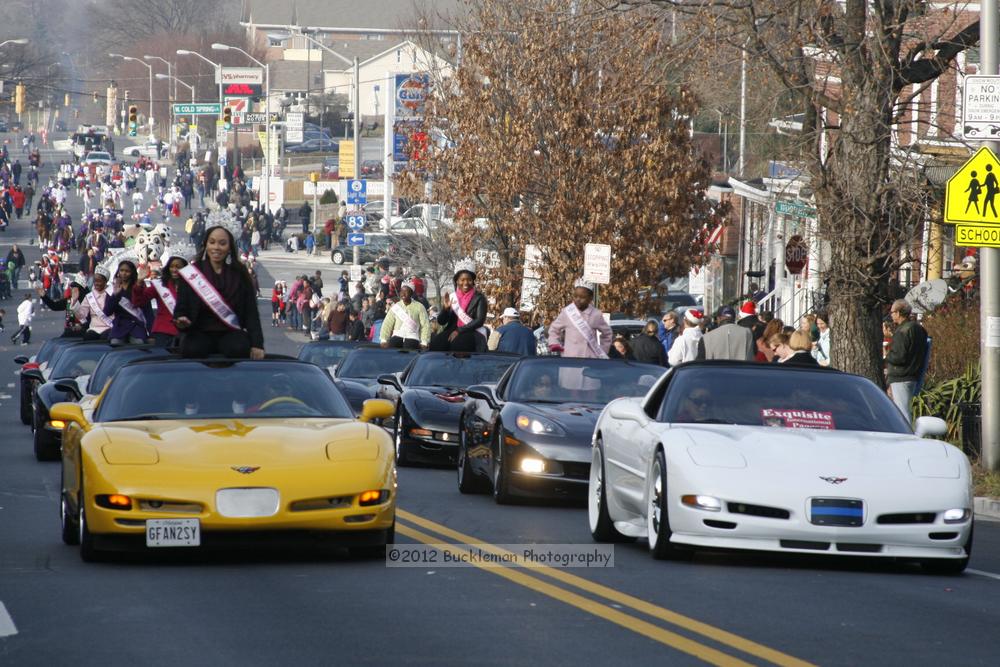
point(580, 330)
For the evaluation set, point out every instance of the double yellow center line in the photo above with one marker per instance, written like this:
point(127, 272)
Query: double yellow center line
point(562, 590)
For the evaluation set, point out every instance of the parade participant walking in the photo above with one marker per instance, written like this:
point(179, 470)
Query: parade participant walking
point(164, 291)
point(727, 341)
point(16, 257)
point(575, 330)
point(463, 314)
point(25, 314)
point(216, 302)
point(92, 307)
point(130, 323)
point(514, 336)
point(406, 324)
point(685, 348)
point(73, 327)
point(905, 359)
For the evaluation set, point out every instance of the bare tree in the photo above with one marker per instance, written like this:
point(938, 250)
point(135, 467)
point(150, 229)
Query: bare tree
point(131, 20)
point(562, 127)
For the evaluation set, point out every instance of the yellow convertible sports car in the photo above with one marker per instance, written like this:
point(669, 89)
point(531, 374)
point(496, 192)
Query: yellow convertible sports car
point(187, 453)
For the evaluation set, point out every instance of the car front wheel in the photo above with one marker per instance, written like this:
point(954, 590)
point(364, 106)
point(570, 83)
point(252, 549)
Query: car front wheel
point(602, 528)
point(337, 257)
point(657, 514)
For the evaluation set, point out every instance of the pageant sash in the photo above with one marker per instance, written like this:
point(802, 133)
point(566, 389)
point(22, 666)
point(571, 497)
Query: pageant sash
point(165, 295)
point(131, 309)
point(210, 296)
point(463, 317)
point(585, 330)
point(97, 310)
point(411, 329)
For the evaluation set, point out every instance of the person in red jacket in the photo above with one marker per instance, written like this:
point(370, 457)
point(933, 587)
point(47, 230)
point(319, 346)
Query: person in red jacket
point(164, 291)
point(17, 196)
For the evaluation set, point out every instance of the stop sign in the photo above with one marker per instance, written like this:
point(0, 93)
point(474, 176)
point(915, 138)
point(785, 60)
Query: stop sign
point(796, 254)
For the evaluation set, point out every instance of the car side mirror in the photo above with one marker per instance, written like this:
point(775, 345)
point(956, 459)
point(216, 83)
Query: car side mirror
point(20, 360)
point(33, 374)
point(930, 426)
point(376, 408)
point(68, 412)
point(391, 380)
point(69, 386)
point(625, 409)
point(483, 393)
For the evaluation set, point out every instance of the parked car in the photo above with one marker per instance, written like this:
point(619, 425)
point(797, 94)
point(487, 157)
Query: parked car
point(375, 248)
point(144, 150)
point(372, 169)
point(314, 146)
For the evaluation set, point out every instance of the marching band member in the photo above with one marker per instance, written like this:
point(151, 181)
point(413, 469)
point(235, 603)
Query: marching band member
point(574, 331)
point(216, 301)
point(130, 321)
point(406, 324)
point(463, 314)
point(164, 291)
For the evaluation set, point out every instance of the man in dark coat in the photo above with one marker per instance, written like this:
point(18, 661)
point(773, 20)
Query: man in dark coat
point(646, 347)
point(515, 337)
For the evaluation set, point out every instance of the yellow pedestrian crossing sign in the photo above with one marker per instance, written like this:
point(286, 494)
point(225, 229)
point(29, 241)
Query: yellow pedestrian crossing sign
point(972, 195)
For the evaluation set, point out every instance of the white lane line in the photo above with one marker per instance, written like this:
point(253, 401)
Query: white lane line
point(7, 626)
point(980, 573)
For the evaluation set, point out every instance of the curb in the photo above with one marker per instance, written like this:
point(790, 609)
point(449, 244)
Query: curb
point(986, 508)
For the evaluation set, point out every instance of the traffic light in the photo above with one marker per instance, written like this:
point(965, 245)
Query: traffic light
point(66, 100)
point(19, 98)
point(133, 120)
point(227, 117)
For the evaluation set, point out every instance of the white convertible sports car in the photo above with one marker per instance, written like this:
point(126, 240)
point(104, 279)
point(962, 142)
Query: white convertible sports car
point(772, 458)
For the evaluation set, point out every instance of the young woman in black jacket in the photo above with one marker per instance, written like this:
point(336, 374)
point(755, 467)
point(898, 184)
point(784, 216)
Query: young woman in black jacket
point(463, 314)
point(216, 302)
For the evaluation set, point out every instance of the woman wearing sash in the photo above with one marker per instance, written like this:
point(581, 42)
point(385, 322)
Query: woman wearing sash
point(91, 307)
point(462, 315)
point(216, 302)
point(131, 323)
point(164, 292)
point(580, 330)
point(406, 324)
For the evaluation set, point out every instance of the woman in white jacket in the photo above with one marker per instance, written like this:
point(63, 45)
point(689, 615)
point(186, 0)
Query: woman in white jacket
point(685, 347)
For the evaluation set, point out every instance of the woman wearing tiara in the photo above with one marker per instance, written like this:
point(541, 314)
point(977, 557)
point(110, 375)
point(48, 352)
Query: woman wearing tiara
point(164, 292)
point(130, 322)
point(463, 314)
point(216, 302)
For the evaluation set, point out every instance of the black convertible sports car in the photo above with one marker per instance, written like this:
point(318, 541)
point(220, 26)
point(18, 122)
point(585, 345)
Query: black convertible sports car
point(109, 365)
point(430, 397)
point(69, 363)
point(357, 374)
point(326, 353)
point(530, 435)
point(38, 362)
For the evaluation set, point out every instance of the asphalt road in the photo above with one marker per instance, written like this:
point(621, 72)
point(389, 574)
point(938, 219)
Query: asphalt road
point(277, 606)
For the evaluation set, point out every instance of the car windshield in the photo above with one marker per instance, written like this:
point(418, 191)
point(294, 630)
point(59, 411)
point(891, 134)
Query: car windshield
point(51, 347)
point(98, 156)
point(326, 355)
point(567, 380)
point(112, 361)
point(458, 370)
point(372, 362)
point(778, 397)
point(221, 390)
point(76, 360)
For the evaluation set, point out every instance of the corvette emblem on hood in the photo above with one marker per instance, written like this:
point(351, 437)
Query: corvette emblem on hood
point(245, 470)
point(834, 480)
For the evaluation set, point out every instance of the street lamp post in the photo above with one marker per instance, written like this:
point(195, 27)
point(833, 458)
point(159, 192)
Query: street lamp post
point(218, 75)
point(266, 170)
point(19, 40)
point(170, 97)
point(176, 81)
point(150, 68)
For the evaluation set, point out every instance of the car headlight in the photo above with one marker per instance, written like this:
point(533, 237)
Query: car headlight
point(956, 515)
point(707, 503)
point(538, 425)
point(532, 465)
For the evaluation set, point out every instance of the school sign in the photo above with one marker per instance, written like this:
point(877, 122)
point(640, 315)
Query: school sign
point(972, 200)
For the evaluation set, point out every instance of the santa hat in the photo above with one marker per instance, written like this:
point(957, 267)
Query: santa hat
point(747, 309)
point(693, 316)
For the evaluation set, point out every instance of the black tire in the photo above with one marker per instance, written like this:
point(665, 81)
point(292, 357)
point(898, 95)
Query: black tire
point(468, 481)
point(501, 487)
point(70, 525)
point(602, 528)
point(950, 565)
point(378, 550)
point(658, 517)
point(337, 257)
point(25, 403)
point(402, 458)
point(45, 445)
point(89, 552)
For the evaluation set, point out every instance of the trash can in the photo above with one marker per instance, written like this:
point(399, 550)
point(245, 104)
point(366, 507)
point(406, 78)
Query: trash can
point(970, 415)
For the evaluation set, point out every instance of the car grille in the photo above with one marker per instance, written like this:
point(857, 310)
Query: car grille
point(859, 548)
point(907, 517)
point(805, 544)
point(576, 470)
point(758, 510)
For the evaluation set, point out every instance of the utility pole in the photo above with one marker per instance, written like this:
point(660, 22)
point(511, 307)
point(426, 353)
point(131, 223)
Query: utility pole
point(989, 289)
point(356, 259)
